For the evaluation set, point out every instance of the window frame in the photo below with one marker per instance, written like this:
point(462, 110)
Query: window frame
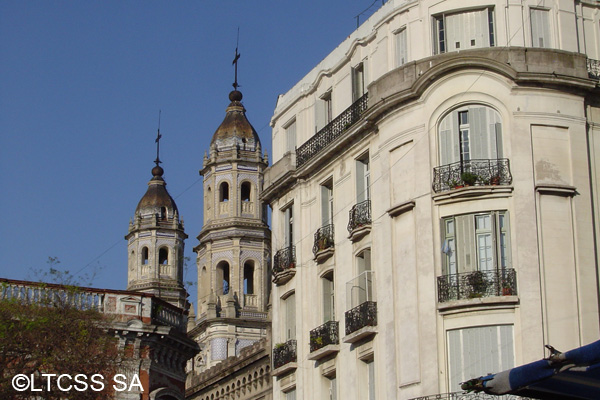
point(441, 43)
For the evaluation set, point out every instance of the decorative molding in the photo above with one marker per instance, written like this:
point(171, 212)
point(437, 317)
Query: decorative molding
point(401, 208)
point(556, 189)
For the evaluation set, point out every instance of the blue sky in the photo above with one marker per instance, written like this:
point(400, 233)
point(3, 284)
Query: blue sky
point(81, 85)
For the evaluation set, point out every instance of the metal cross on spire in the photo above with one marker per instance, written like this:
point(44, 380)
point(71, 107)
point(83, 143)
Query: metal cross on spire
point(157, 141)
point(235, 60)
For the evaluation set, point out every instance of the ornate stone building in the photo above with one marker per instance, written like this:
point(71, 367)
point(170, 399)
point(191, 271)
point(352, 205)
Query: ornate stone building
point(233, 262)
point(155, 244)
point(434, 194)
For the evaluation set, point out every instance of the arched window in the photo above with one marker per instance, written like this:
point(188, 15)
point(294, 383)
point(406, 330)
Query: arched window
point(223, 276)
point(246, 191)
point(163, 213)
point(224, 192)
point(163, 256)
point(248, 277)
point(472, 132)
point(145, 256)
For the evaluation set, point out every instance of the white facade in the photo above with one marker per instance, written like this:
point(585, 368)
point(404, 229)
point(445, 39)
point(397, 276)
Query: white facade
point(453, 208)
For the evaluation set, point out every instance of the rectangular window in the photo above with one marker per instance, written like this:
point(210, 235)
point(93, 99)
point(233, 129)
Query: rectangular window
point(401, 47)
point(289, 226)
point(323, 111)
point(476, 242)
point(361, 288)
point(290, 136)
point(327, 203)
point(358, 82)
point(363, 179)
point(371, 380)
point(333, 388)
point(479, 351)
point(291, 395)
point(463, 30)
point(290, 317)
point(540, 27)
point(328, 298)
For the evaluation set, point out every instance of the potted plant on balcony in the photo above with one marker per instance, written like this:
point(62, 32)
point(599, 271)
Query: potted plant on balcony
point(279, 346)
point(495, 180)
point(469, 178)
point(477, 284)
point(453, 183)
point(316, 341)
point(506, 290)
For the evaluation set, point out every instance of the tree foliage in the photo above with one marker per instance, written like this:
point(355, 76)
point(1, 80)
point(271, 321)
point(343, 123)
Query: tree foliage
point(57, 338)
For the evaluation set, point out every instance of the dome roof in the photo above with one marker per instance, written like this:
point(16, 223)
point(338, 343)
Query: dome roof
point(157, 198)
point(235, 131)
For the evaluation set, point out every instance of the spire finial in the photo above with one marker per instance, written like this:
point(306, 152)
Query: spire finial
point(235, 60)
point(157, 141)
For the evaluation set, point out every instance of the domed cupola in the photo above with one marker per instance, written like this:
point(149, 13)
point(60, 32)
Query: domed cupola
point(235, 132)
point(155, 244)
point(157, 201)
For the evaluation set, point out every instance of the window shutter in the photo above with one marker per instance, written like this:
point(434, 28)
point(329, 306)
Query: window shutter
point(401, 48)
point(290, 304)
point(465, 243)
point(325, 195)
point(320, 114)
point(291, 137)
point(360, 181)
point(479, 136)
point(327, 293)
point(540, 28)
point(371, 369)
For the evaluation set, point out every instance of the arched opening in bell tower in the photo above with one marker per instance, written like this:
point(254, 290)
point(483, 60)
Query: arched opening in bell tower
point(246, 191)
point(145, 256)
point(223, 277)
point(163, 256)
point(224, 192)
point(249, 277)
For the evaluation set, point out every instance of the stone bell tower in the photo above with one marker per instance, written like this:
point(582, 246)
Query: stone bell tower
point(155, 244)
point(235, 242)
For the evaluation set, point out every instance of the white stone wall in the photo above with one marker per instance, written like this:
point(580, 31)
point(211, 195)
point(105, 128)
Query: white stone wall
point(546, 131)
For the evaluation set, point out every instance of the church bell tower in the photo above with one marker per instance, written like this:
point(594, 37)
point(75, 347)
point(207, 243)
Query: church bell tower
point(155, 243)
point(235, 242)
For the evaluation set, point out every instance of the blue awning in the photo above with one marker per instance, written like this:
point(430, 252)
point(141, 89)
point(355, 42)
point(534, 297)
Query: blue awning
point(574, 374)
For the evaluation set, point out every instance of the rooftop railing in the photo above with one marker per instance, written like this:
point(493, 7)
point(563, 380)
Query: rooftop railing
point(469, 396)
point(331, 131)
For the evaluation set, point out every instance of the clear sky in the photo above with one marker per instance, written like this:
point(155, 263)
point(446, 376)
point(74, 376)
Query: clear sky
point(81, 86)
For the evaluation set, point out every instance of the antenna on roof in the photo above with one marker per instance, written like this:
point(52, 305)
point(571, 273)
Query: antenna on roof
point(235, 60)
point(157, 141)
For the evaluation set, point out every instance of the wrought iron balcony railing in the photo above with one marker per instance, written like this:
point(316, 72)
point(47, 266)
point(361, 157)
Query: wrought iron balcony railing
point(593, 67)
point(331, 131)
point(284, 353)
point(469, 396)
point(323, 239)
point(360, 215)
point(284, 259)
point(363, 315)
point(471, 173)
point(324, 335)
point(469, 285)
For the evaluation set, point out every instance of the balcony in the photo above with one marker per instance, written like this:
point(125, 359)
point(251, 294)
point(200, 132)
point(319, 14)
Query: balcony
point(324, 243)
point(593, 67)
point(331, 131)
point(359, 223)
point(471, 173)
point(324, 340)
point(361, 320)
point(477, 284)
point(469, 396)
point(284, 357)
point(284, 265)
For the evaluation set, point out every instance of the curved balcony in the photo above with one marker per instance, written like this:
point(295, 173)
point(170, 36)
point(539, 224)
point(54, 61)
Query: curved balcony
point(472, 173)
point(284, 265)
point(360, 219)
point(324, 244)
point(477, 284)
